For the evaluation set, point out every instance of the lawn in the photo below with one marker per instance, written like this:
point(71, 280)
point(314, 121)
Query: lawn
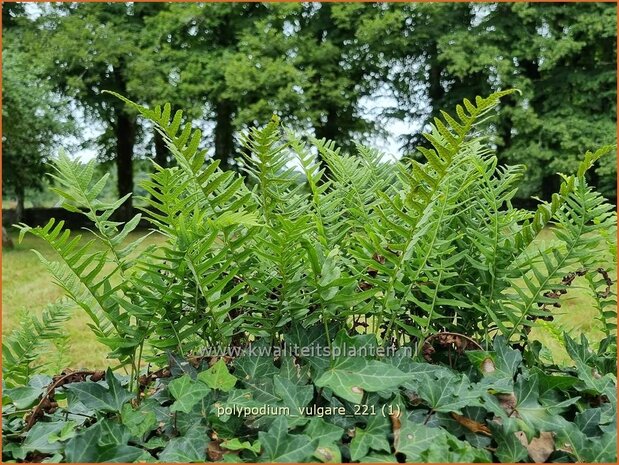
point(27, 288)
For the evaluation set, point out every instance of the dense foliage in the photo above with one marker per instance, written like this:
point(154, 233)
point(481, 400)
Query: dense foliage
point(34, 120)
point(428, 258)
point(341, 71)
point(490, 408)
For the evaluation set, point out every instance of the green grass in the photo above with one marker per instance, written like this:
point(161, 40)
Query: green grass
point(27, 288)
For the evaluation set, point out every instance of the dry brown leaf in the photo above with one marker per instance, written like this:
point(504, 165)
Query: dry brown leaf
point(214, 451)
point(487, 366)
point(508, 402)
point(540, 448)
point(472, 425)
point(396, 425)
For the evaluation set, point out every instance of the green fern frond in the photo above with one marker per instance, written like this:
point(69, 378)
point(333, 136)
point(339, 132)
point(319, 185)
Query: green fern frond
point(22, 348)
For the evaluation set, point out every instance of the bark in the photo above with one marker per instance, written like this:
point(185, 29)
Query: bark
point(436, 92)
point(224, 133)
point(330, 131)
point(7, 242)
point(19, 208)
point(125, 129)
point(125, 132)
point(161, 151)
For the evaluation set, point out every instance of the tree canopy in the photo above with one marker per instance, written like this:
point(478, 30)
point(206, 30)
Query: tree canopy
point(344, 71)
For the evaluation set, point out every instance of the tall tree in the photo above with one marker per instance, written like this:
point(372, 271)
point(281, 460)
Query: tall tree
point(87, 49)
point(34, 118)
point(563, 59)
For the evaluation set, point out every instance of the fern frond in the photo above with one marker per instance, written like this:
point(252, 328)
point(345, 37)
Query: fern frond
point(23, 346)
point(582, 214)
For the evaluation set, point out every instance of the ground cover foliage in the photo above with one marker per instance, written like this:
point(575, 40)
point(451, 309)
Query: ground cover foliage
point(427, 259)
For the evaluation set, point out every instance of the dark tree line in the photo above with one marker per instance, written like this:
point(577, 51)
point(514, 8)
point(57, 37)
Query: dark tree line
point(231, 65)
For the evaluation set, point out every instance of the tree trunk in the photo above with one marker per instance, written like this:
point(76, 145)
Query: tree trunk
point(224, 133)
point(19, 208)
point(329, 131)
point(125, 129)
point(436, 92)
point(161, 151)
point(7, 242)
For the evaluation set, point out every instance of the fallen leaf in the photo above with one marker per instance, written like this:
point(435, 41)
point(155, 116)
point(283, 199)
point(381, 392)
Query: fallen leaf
point(540, 448)
point(214, 451)
point(472, 425)
point(487, 366)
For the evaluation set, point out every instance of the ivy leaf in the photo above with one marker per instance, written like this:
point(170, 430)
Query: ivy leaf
point(118, 453)
point(187, 393)
point(292, 395)
point(328, 436)
point(602, 449)
point(589, 450)
point(448, 449)
point(140, 421)
point(38, 438)
point(96, 397)
point(588, 421)
point(529, 410)
point(218, 377)
point(373, 436)
point(509, 448)
point(295, 373)
point(179, 366)
point(67, 432)
point(324, 432)
point(507, 359)
point(379, 458)
point(187, 449)
point(87, 447)
point(349, 377)
point(328, 453)
point(236, 444)
point(448, 393)
point(414, 439)
point(578, 352)
point(280, 446)
point(23, 397)
point(252, 366)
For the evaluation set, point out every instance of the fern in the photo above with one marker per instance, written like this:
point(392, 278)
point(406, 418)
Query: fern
point(23, 347)
point(357, 241)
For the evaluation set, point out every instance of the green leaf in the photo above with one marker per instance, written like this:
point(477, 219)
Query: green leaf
point(349, 377)
point(98, 444)
point(373, 436)
point(324, 432)
point(140, 421)
point(280, 446)
point(448, 393)
point(38, 438)
point(218, 377)
point(187, 449)
point(67, 432)
point(96, 397)
point(187, 393)
point(293, 396)
point(23, 397)
point(413, 440)
point(379, 458)
point(236, 444)
point(509, 448)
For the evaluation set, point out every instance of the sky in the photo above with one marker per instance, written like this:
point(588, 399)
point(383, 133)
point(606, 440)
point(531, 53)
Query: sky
point(390, 144)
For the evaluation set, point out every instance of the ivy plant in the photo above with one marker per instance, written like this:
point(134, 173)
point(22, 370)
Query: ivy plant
point(488, 407)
